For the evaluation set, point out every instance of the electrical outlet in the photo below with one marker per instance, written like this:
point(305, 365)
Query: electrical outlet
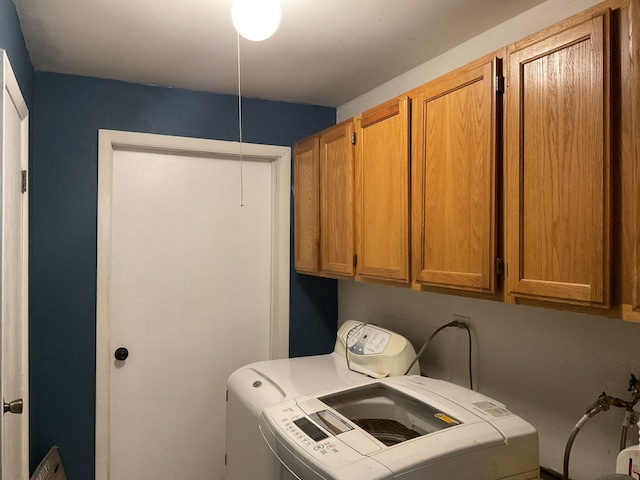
point(461, 318)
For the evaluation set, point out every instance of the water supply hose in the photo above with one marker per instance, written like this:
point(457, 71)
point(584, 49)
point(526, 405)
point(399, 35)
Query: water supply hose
point(623, 437)
point(567, 450)
point(603, 403)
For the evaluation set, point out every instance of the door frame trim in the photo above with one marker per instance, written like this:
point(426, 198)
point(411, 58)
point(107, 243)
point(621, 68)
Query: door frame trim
point(110, 140)
point(12, 88)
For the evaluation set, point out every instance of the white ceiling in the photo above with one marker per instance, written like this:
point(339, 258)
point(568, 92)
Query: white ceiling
point(326, 52)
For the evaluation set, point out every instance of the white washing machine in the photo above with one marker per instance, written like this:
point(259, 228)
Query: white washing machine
point(411, 427)
point(361, 351)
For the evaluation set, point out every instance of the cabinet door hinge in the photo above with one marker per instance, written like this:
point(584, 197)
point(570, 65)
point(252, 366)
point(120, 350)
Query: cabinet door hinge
point(227, 396)
point(355, 261)
point(23, 181)
point(353, 138)
point(499, 84)
point(225, 459)
point(499, 266)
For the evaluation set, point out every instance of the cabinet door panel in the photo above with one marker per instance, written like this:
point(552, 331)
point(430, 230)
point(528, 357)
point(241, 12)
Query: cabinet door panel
point(306, 209)
point(336, 200)
point(559, 167)
point(383, 191)
point(454, 179)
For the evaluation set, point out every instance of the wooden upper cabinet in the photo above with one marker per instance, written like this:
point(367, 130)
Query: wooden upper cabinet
point(382, 159)
point(337, 238)
point(558, 165)
point(306, 160)
point(454, 165)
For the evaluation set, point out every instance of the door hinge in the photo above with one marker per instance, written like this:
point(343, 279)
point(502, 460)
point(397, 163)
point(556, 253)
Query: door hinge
point(355, 261)
point(499, 266)
point(353, 138)
point(499, 84)
point(227, 399)
point(23, 181)
point(225, 459)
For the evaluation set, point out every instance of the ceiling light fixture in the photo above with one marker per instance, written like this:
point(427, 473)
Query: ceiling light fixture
point(256, 20)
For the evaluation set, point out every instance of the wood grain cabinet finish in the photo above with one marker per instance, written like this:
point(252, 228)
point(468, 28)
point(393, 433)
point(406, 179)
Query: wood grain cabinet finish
point(562, 207)
point(558, 165)
point(306, 161)
point(632, 85)
point(337, 190)
point(382, 179)
point(454, 166)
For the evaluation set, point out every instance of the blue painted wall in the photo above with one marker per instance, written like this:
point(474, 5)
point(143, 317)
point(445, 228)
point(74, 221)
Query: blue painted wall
point(69, 110)
point(12, 41)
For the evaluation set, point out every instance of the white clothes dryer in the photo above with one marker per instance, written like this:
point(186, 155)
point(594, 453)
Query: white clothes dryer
point(361, 351)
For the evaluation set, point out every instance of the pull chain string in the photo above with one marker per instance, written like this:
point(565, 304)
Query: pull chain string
point(240, 126)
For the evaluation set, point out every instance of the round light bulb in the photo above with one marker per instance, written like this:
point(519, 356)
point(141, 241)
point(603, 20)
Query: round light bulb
point(256, 19)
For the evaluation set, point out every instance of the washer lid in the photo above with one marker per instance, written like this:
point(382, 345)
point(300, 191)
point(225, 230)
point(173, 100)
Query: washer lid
point(389, 415)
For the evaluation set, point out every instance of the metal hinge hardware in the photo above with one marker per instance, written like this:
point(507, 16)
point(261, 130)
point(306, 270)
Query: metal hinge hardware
point(499, 84)
point(23, 181)
point(353, 138)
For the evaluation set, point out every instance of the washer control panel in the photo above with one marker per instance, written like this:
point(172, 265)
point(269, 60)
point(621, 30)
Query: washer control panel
point(299, 429)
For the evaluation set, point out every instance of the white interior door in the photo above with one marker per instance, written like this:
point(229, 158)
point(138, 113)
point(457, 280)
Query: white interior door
point(190, 298)
point(14, 426)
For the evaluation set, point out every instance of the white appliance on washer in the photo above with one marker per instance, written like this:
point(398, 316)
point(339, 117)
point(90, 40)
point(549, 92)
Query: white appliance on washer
point(361, 349)
point(402, 427)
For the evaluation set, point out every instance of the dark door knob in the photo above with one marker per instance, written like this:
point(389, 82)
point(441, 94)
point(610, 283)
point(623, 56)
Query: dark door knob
point(121, 353)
